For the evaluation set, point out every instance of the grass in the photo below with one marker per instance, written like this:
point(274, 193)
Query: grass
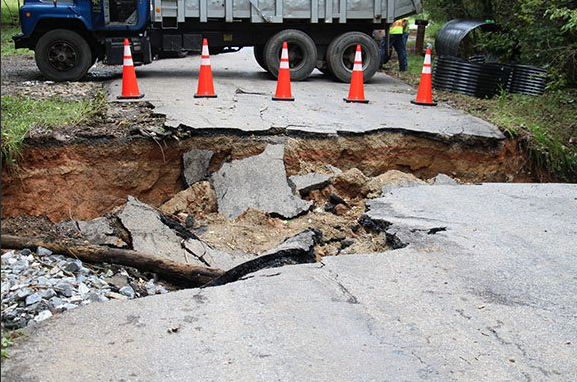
point(546, 125)
point(10, 27)
point(8, 338)
point(21, 114)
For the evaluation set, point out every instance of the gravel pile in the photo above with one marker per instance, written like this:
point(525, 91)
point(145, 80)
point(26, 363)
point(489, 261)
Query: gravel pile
point(38, 285)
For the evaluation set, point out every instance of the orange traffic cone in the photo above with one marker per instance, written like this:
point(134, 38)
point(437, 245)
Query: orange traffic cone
point(356, 89)
point(425, 92)
point(283, 85)
point(205, 86)
point(129, 84)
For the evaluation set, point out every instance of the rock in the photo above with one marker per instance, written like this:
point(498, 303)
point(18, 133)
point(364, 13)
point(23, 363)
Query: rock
point(195, 165)
point(64, 288)
point(83, 289)
point(259, 182)
point(396, 179)
point(442, 180)
point(33, 299)
point(350, 183)
point(149, 234)
point(119, 281)
point(23, 293)
point(116, 296)
point(303, 184)
point(99, 231)
point(73, 265)
point(376, 186)
point(127, 291)
point(199, 198)
point(41, 251)
point(43, 315)
point(47, 294)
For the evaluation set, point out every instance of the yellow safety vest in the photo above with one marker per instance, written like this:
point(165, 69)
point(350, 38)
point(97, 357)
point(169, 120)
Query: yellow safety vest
point(398, 26)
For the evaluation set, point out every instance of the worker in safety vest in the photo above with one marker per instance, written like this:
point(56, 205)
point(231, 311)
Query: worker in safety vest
point(397, 41)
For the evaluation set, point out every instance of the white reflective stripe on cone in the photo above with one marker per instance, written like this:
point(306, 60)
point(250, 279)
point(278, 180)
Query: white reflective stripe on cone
point(128, 61)
point(204, 50)
point(284, 54)
point(426, 70)
point(427, 60)
point(284, 64)
point(205, 61)
point(358, 67)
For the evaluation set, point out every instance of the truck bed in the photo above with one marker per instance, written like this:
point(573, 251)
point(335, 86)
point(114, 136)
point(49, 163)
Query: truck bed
point(171, 12)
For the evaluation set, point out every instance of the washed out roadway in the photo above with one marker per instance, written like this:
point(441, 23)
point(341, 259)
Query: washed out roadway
point(484, 290)
point(244, 92)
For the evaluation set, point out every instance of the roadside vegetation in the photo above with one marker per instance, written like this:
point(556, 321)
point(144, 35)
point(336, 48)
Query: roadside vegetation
point(21, 114)
point(9, 17)
point(8, 338)
point(543, 34)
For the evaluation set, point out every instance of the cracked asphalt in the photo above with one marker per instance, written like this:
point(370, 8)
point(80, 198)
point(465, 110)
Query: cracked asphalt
point(483, 290)
point(244, 92)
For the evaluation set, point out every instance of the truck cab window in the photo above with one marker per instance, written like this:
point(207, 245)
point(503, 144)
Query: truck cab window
point(123, 12)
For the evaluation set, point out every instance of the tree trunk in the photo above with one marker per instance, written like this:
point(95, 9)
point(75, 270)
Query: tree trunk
point(182, 274)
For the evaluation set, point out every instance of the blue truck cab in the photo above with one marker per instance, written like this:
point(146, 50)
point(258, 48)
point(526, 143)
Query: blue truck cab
point(68, 36)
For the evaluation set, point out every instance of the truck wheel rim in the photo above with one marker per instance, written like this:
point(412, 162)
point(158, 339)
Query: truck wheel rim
point(296, 56)
point(62, 56)
point(348, 57)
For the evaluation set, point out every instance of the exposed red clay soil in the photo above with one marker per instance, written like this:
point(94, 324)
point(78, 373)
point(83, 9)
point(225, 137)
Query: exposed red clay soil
point(85, 180)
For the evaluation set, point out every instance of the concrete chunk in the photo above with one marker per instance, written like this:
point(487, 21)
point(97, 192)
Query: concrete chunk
point(195, 165)
point(99, 231)
point(259, 182)
point(306, 183)
point(213, 257)
point(150, 234)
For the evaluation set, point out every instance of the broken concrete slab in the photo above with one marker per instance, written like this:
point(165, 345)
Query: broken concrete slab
point(304, 241)
point(259, 182)
point(296, 250)
point(303, 184)
point(213, 257)
point(150, 235)
point(99, 231)
point(195, 165)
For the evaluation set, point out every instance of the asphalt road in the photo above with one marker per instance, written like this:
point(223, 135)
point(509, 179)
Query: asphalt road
point(484, 290)
point(244, 101)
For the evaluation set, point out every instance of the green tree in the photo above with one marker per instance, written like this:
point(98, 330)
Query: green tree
point(538, 32)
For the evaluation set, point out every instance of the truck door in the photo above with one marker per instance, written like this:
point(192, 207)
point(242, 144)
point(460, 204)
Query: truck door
point(125, 14)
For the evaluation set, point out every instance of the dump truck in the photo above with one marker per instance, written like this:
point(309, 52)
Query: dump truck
point(69, 36)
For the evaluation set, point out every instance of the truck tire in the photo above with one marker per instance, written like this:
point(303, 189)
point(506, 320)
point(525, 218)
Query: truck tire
point(341, 55)
point(302, 53)
point(63, 55)
point(259, 56)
